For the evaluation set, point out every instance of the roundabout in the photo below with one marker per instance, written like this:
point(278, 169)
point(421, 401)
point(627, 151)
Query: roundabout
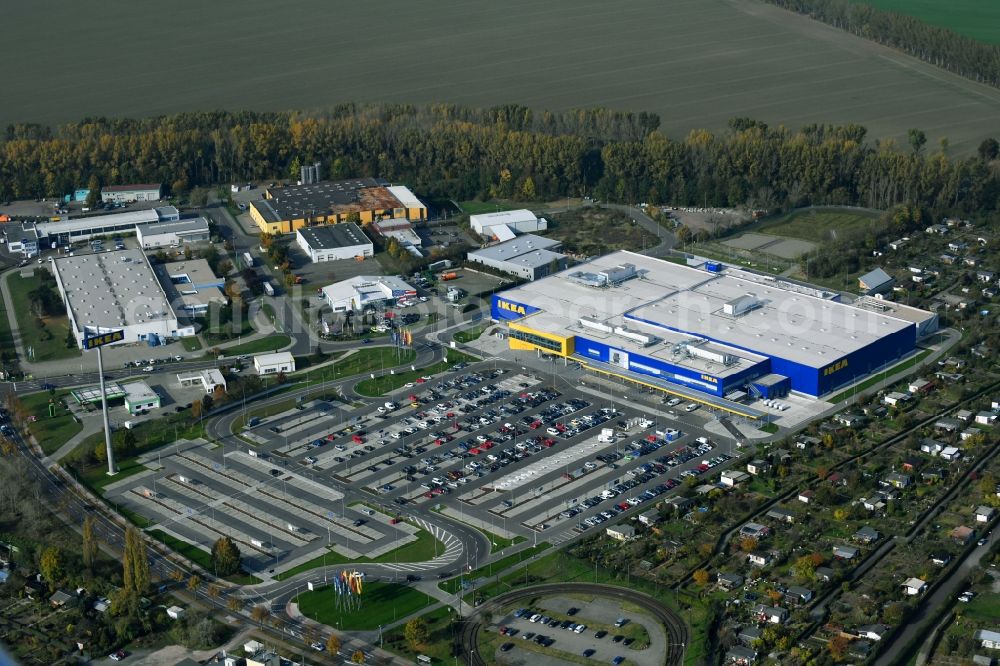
point(667, 649)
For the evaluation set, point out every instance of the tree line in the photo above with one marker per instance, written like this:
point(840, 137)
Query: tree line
point(938, 46)
point(454, 152)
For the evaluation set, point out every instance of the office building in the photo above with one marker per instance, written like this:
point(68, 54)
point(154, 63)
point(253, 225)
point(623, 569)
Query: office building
point(132, 193)
point(172, 234)
point(365, 291)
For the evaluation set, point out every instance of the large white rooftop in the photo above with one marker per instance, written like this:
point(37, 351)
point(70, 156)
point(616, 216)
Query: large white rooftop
point(112, 289)
point(746, 311)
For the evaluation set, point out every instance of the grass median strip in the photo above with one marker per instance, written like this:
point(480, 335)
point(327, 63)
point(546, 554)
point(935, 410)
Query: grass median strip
point(455, 584)
point(388, 383)
point(269, 344)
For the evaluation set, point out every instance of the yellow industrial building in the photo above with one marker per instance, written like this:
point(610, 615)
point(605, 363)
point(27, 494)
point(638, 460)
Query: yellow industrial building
point(285, 210)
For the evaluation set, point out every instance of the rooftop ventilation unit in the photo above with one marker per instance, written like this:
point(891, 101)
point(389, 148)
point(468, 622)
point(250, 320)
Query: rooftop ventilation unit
point(742, 305)
point(594, 325)
point(642, 338)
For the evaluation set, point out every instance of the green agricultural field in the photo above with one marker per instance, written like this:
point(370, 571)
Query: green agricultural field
point(979, 19)
point(818, 225)
point(695, 63)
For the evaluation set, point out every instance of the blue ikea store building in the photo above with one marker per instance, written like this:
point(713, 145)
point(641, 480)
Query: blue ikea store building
point(715, 330)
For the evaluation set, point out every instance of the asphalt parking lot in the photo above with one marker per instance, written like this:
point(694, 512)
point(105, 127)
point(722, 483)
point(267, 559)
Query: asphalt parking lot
point(492, 445)
point(553, 626)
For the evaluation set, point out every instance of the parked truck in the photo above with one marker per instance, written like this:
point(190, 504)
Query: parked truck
point(444, 277)
point(248, 259)
point(268, 289)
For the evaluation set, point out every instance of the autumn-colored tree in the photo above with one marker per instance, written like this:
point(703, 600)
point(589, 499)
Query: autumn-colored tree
point(838, 646)
point(333, 644)
point(194, 582)
point(214, 591)
point(259, 614)
point(225, 556)
point(89, 546)
point(135, 565)
point(358, 657)
point(51, 566)
point(416, 632)
point(700, 577)
point(234, 604)
point(748, 544)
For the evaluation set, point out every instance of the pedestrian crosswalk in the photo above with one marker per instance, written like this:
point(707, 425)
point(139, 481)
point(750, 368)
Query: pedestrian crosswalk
point(453, 549)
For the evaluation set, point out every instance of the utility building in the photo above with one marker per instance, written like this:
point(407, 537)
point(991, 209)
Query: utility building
point(272, 364)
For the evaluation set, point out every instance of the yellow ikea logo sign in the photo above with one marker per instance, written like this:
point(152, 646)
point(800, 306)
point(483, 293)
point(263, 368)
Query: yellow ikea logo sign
point(710, 378)
point(839, 365)
point(103, 339)
point(511, 307)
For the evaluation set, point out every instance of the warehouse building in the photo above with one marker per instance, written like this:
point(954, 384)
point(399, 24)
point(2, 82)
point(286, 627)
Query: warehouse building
point(715, 330)
point(191, 285)
point(284, 210)
point(132, 193)
point(365, 291)
point(272, 364)
point(172, 234)
point(81, 229)
point(116, 290)
point(528, 257)
point(521, 221)
point(333, 242)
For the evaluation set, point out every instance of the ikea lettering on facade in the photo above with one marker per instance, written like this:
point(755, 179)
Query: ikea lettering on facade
point(503, 309)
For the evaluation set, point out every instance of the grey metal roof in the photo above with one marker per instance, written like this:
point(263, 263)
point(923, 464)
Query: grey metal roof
point(346, 234)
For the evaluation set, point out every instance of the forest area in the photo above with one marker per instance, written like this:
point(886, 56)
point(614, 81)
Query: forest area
point(506, 152)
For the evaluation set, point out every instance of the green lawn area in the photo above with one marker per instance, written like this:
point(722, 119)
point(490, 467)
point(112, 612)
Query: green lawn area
point(474, 207)
point(972, 18)
point(817, 225)
point(199, 556)
point(51, 433)
point(266, 344)
point(470, 334)
point(48, 336)
point(381, 604)
point(387, 383)
point(438, 647)
point(875, 379)
point(984, 607)
point(191, 343)
point(421, 550)
point(149, 435)
point(455, 584)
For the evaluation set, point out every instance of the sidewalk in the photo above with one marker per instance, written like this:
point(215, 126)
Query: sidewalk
point(91, 423)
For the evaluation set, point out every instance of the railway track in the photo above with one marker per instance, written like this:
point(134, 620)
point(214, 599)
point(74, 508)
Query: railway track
point(467, 640)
